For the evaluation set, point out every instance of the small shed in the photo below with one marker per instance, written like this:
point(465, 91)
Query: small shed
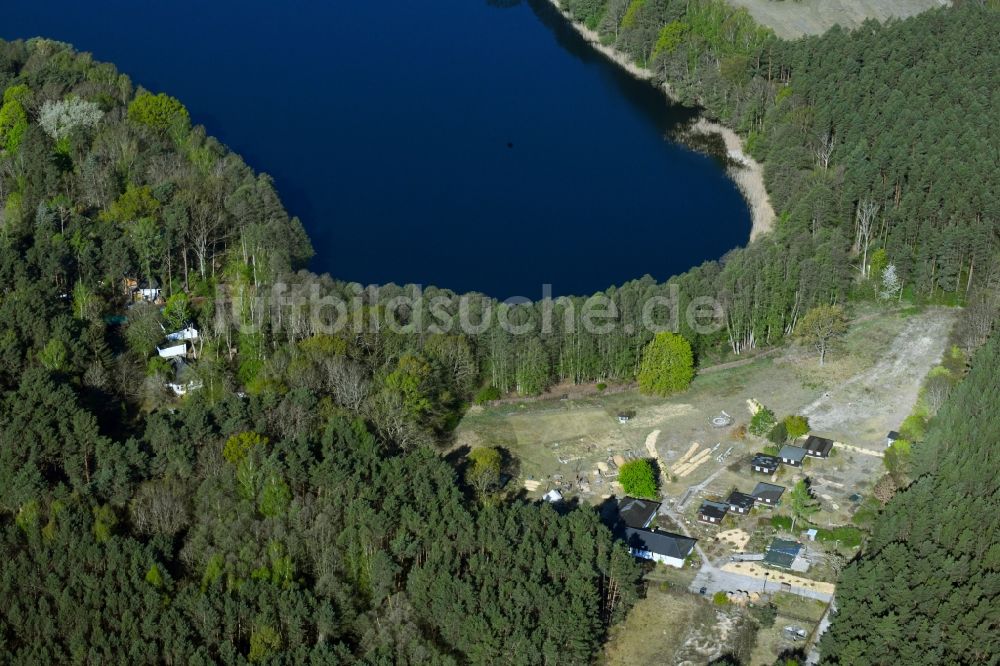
point(792, 455)
point(553, 496)
point(712, 512)
point(768, 494)
point(740, 503)
point(764, 463)
point(818, 447)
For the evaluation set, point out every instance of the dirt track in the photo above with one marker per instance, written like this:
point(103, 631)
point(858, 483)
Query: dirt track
point(876, 400)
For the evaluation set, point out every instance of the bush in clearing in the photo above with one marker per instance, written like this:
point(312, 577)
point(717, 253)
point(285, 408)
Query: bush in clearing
point(638, 478)
point(778, 434)
point(762, 422)
point(796, 426)
point(782, 523)
point(847, 536)
point(487, 394)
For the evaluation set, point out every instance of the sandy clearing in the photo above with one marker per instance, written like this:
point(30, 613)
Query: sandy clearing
point(791, 20)
point(878, 399)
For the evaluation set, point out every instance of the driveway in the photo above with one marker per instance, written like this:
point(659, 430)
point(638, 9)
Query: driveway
point(717, 580)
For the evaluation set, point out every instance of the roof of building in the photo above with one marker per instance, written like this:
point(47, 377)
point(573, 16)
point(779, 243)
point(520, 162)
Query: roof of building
point(768, 491)
point(781, 553)
point(553, 496)
point(741, 500)
point(635, 512)
point(764, 460)
point(661, 543)
point(795, 453)
point(710, 509)
point(820, 444)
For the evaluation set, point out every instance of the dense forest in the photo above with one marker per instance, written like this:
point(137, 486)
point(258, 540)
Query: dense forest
point(292, 506)
point(927, 588)
point(261, 518)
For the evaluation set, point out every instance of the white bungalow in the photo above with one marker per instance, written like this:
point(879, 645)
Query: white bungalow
point(175, 351)
point(188, 333)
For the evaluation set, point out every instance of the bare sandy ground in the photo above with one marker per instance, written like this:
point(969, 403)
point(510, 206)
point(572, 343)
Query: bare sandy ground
point(747, 173)
point(791, 20)
point(879, 398)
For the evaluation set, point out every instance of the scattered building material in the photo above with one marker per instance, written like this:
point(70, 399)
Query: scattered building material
point(651, 443)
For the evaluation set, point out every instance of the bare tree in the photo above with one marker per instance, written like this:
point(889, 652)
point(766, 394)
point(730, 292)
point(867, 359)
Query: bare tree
point(824, 148)
point(978, 319)
point(347, 381)
point(936, 391)
point(864, 227)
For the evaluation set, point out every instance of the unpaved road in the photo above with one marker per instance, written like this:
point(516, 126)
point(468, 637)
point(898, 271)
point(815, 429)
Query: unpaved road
point(871, 403)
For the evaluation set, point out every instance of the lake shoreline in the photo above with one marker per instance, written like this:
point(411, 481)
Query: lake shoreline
point(746, 172)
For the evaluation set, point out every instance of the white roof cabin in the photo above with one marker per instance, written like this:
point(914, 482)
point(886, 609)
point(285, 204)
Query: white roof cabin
point(189, 333)
point(172, 352)
point(553, 496)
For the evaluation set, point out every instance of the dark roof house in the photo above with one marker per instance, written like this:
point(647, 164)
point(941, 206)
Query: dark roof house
point(768, 493)
point(792, 455)
point(636, 513)
point(712, 512)
point(628, 512)
point(764, 463)
point(782, 553)
point(818, 447)
point(740, 502)
point(660, 545)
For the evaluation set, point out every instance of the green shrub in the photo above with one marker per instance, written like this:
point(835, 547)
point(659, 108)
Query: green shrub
point(720, 598)
point(487, 394)
point(765, 614)
point(601, 386)
point(847, 535)
point(667, 365)
point(781, 522)
point(778, 434)
point(796, 426)
point(914, 427)
point(638, 478)
point(762, 422)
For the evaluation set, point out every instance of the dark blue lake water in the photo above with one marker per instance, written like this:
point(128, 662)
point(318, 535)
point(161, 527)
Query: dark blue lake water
point(470, 144)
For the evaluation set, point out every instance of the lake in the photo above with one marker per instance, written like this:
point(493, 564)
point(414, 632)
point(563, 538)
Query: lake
point(468, 144)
